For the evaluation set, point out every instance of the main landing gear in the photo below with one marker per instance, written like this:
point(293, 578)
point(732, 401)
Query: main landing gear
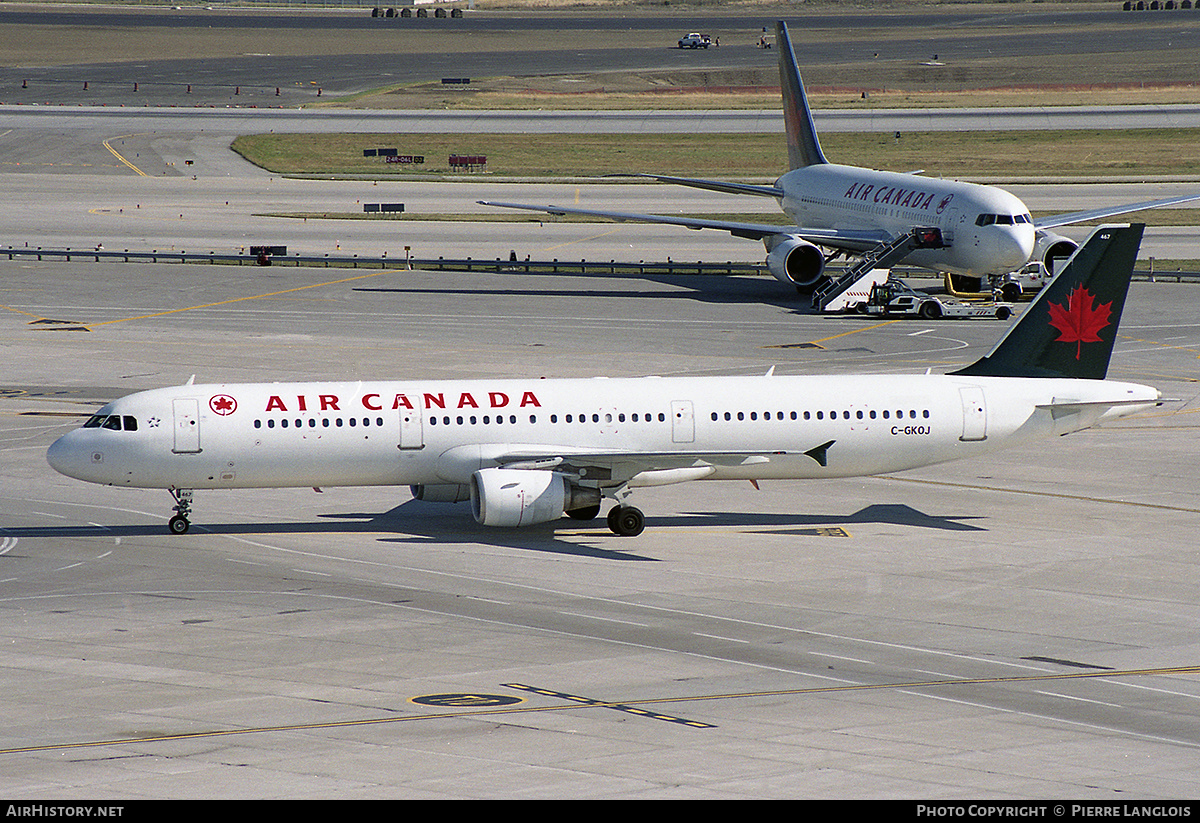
point(179, 524)
point(627, 521)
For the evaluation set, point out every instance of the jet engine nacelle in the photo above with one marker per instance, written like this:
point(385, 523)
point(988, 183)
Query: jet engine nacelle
point(521, 497)
point(1052, 249)
point(441, 492)
point(795, 261)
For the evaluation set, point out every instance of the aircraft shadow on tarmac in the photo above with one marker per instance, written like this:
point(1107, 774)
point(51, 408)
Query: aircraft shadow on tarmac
point(704, 288)
point(419, 522)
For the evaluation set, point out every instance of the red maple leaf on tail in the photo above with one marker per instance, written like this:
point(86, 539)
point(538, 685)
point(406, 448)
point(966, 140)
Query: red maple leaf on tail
point(1081, 320)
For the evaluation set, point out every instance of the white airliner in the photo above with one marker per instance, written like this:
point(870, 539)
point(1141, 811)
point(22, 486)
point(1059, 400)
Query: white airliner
point(526, 451)
point(964, 228)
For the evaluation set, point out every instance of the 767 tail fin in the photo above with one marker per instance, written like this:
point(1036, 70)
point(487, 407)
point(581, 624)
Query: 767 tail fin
point(1070, 329)
point(803, 147)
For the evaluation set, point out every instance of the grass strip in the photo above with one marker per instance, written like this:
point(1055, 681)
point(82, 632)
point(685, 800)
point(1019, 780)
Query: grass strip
point(1001, 155)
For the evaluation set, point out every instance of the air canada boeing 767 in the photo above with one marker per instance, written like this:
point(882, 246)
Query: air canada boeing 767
point(884, 218)
point(527, 451)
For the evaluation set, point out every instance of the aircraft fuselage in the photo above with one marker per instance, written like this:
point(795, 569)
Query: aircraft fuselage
point(441, 432)
point(987, 230)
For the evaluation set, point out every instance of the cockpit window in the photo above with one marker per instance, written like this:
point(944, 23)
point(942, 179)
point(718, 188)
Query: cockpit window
point(113, 422)
point(1002, 219)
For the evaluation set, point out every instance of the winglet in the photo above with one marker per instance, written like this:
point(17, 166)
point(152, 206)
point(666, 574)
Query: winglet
point(803, 147)
point(1070, 329)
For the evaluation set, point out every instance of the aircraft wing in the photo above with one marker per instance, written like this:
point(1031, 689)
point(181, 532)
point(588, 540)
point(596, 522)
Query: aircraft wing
point(1112, 211)
point(711, 185)
point(651, 468)
point(853, 240)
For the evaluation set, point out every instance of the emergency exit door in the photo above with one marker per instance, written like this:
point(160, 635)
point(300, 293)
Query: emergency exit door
point(187, 425)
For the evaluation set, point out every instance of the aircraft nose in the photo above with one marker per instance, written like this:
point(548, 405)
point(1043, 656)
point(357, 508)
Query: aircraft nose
point(1015, 245)
point(64, 456)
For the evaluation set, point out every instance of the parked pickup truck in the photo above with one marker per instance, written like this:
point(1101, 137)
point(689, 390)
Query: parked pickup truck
point(694, 41)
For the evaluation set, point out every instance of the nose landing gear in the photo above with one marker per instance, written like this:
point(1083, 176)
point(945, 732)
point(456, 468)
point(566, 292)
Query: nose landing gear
point(179, 524)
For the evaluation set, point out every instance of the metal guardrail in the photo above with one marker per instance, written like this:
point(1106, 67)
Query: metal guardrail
point(498, 264)
point(355, 261)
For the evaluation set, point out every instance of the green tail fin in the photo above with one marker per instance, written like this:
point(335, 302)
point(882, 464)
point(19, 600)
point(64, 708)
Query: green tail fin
point(1070, 329)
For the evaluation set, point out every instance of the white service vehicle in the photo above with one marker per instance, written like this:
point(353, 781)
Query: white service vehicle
point(897, 298)
point(694, 41)
point(1008, 287)
point(1025, 282)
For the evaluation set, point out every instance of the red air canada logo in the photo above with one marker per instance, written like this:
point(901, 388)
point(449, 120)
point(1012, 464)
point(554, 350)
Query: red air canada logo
point(1081, 320)
point(222, 404)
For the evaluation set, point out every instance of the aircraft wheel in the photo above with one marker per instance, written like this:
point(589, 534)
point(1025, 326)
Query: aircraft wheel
point(178, 525)
point(586, 513)
point(626, 521)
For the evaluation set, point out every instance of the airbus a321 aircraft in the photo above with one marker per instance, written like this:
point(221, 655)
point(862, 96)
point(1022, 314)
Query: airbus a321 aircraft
point(959, 227)
point(526, 451)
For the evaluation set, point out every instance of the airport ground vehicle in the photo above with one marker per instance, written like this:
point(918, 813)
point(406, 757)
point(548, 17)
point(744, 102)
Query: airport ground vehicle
point(694, 41)
point(896, 298)
point(1025, 282)
point(1010, 287)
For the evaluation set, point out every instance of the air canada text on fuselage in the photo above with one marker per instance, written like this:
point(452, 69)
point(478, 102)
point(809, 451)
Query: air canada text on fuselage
point(895, 196)
point(376, 401)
